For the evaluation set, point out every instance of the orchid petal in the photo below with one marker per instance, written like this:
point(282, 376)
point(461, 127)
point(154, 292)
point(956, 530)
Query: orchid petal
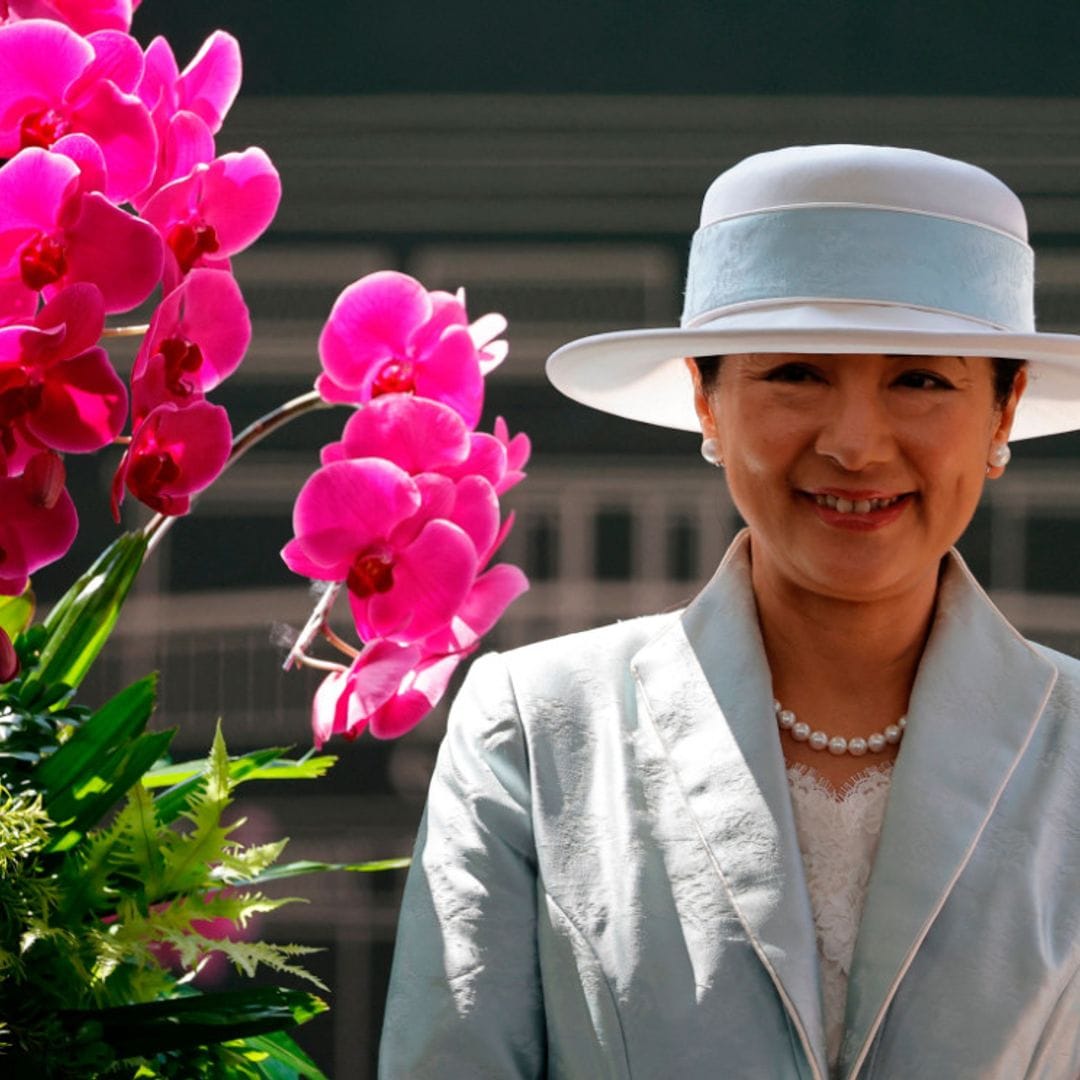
point(33, 186)
point(431, 578)
point(240, 196)
point(38, 60)
point(117, 252)
point(86, 153)
point(117, 57)
point(476, 510)
point(451, 374)
point(120, 124)
point(414, 433)
point(407, 708)
point(346, 506)
point(31, 535)
point(211, 81)
point(371, 321)
point(83, 404)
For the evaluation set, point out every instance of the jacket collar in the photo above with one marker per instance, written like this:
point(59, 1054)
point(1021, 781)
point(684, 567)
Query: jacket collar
point(978, 696)
point(705, 684)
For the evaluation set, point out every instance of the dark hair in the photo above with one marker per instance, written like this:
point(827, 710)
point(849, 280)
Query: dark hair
point(1005, 371)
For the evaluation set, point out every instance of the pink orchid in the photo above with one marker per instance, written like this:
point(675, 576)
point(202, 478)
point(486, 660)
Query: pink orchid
point(54, 82)
point(57, 387)
point(387, 536)
point(497, 458)
point(197, 337)
point(188, 108)
point(56, 234)
point(174, 454)
point(39, 522)
point(387, 334)
point(390, 688)
point(416, 434)
point(215, 211)
point(83, 16)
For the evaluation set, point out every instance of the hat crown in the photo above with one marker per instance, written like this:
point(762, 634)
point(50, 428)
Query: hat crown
point(879, 176)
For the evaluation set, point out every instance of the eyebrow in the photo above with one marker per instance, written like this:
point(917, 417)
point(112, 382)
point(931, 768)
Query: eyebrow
point(910, 356)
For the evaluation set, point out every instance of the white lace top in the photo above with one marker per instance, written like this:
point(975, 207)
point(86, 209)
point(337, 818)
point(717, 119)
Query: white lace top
point(838, 835)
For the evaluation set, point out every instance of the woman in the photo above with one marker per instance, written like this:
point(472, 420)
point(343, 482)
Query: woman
point(637, 862)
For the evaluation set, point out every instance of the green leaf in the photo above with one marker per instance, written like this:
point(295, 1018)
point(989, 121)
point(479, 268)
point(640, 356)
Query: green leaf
point(285, 1059)
point(16, 612)
point(197, 1020)
point(110, 730)
point(92, 802)
point(80, 623)
point(277, 873)
point(188, 777)
point(257, 765)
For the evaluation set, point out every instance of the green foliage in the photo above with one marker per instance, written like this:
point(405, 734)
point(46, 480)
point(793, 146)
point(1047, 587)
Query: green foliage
point(120, 877)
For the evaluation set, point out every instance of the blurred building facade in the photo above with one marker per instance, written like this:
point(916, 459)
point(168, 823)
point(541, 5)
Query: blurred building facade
point(570, 215)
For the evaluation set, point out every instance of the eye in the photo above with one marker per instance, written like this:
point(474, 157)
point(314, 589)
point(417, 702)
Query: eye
point(793, 373)
point(924, 380)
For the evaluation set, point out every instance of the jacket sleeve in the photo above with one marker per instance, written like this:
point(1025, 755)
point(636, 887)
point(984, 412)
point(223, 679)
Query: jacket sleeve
point(1057, 1056)
point(465, 998)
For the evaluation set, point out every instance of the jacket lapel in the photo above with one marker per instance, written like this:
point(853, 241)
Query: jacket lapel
point(978, 695)
point(705, 685)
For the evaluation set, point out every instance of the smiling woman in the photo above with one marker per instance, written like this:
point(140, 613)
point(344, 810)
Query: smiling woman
point(764, 834)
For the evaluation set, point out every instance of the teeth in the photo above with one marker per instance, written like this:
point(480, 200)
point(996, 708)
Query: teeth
point(857, 506)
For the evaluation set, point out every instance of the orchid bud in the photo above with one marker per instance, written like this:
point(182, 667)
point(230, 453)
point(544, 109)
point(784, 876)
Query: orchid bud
point(43, 479)
point(9, 660)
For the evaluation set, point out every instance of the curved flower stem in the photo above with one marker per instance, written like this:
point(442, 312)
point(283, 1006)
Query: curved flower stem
point(319, 665)
point(125, 331)
point(316, 621)
point(254, 433)
point(338, 643)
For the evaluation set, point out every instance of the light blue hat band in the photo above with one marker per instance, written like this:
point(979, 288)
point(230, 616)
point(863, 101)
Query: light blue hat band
point(862, 254)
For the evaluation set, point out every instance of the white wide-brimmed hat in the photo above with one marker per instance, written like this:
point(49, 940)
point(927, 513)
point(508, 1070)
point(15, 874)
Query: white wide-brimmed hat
point(841, 249)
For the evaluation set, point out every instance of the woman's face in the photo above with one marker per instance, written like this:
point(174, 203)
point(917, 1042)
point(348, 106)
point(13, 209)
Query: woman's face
point(855, 474)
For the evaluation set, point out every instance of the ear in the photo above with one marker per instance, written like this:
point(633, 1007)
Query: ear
point(701, 401)
point(1005, 420)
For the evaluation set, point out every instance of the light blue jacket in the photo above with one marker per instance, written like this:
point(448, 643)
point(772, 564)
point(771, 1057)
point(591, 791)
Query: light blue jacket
point(607, 882)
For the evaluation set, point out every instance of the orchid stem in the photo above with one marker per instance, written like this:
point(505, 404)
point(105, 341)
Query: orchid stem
point(338, 643)
point(319, 665)
point(125, 331)
point(254, 433)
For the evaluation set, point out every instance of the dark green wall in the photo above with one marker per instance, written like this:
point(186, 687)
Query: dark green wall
point(659, 46)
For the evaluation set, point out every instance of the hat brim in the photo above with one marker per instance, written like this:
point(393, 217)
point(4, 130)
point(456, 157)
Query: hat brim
point(640, 374)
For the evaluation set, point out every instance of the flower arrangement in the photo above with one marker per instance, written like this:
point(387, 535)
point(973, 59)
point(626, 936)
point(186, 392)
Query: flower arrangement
point(119, 873)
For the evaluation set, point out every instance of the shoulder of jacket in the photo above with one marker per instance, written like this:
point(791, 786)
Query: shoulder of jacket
point(603, 648)
point(1068, 668)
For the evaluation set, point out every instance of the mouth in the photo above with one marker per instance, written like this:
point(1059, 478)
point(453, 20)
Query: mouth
point(848, 505)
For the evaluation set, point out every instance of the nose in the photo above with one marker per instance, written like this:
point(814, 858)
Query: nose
point(856, 433)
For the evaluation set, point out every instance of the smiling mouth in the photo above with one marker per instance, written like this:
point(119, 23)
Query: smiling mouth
point(855, 506)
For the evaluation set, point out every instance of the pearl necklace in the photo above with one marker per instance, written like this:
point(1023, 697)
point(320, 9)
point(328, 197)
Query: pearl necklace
point(818, 740)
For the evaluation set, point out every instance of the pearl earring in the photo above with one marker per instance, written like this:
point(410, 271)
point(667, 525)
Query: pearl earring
point(1000, 456)
point(710, 451)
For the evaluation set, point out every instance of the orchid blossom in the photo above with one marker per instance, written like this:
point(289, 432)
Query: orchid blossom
point(197, 337)
point(39, 521)
point(215, 211)
point(55, 233)
point(388, 536)
point(174, 453)
point(387, 334)
point(83, 16)
point(187, 108)
point(57, 386)
point(54, 82)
